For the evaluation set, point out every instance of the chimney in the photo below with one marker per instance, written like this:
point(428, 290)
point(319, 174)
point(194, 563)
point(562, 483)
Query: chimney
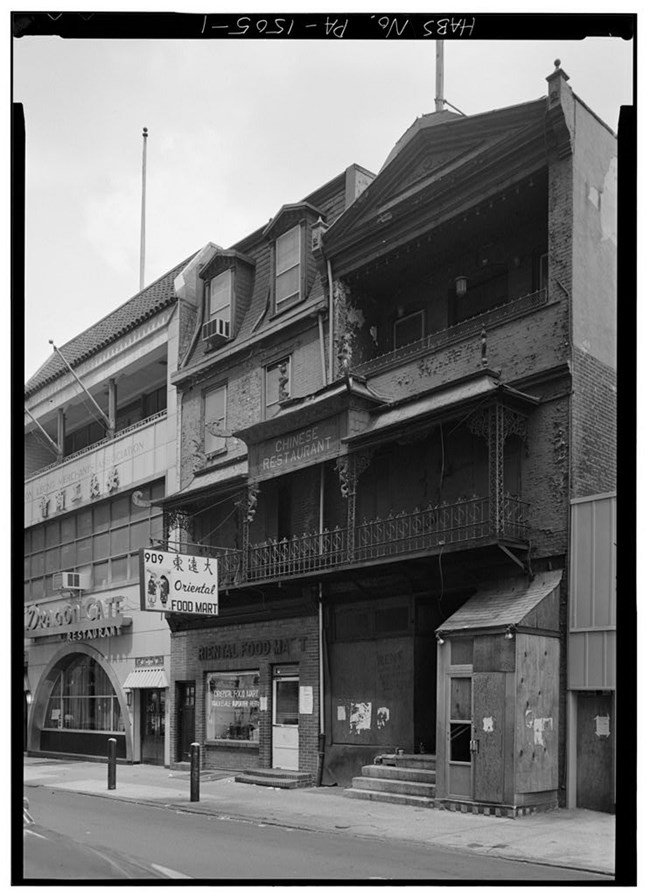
point(556, 84)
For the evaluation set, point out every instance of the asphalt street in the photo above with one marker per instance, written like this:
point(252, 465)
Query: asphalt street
point(177, 844)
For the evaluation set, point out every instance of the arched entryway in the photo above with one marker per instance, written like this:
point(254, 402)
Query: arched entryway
point(79, 705)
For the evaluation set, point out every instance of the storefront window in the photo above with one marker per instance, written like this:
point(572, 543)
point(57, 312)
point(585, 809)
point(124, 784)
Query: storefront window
point(232, 706)
point(101, 536)
point(83, 699)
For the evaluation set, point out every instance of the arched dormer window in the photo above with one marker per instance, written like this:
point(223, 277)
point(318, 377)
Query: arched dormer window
point(292, 264)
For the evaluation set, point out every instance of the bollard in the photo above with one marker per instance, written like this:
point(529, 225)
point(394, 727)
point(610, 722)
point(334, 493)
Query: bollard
point(112, 762)
point(195, 772)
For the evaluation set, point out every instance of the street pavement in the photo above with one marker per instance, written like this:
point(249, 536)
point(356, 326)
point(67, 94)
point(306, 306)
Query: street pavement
point(567, 838)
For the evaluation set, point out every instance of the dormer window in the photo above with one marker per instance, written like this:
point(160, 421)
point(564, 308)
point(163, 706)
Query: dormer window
point(288, 267)
point(227, 289)
point(220, 301)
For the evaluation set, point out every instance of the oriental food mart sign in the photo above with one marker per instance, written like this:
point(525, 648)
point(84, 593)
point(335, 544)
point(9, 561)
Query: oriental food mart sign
point(178, 583)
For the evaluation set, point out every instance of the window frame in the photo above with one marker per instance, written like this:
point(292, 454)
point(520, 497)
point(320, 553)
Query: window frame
point(220, 442)
point(293, 297)
point(541, 272)
point(218, 312)
point(211, 736)
point(401, 320)
point(38, 585)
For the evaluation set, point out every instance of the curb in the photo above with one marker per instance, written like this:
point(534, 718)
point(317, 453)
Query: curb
point(191, 809)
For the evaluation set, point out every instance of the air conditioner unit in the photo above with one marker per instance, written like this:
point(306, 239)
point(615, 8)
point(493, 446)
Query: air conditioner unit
point(216, 329)
point(71, 581)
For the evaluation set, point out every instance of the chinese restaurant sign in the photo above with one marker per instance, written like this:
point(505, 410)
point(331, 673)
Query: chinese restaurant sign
point(301, 448)
point(178, 583)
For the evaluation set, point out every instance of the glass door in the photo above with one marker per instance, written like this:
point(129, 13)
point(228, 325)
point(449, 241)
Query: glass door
point(152, 715)
point(459, 737)
point(285, 719)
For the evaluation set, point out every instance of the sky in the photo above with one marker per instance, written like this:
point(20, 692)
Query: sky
point(237, 128)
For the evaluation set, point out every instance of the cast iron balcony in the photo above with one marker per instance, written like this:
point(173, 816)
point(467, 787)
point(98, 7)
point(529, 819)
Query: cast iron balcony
point(467, 522)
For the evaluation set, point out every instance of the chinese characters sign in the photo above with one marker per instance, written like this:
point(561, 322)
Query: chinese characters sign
point(178, 583)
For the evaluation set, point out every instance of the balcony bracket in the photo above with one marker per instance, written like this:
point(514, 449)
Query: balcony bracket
point(524, 566)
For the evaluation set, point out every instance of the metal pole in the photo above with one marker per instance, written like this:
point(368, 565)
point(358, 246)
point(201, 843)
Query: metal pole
point(112, 762)
point(145, 134)
point(440, 75)
point(67, 364)
point(195, 770)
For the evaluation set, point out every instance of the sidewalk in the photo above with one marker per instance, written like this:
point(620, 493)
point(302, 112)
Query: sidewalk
point(568, 838)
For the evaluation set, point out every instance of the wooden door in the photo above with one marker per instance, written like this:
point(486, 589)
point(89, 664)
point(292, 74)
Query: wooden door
point(185, 702)
point(488, 723)
point(459, 736)
point(595, 752)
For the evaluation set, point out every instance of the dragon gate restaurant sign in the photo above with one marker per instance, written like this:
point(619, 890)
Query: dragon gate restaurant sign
point(301, 448)
point(178, 583)
point(78, 621)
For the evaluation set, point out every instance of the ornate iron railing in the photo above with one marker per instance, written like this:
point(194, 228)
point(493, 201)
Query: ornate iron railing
point(101, 443)
point(466, 521)
point(457, 332)
point(404, 533)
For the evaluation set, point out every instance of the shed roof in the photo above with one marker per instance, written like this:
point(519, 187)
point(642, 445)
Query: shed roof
point(507, 604)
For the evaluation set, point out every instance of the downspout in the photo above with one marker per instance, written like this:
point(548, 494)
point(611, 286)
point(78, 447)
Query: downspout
point(331, 320)
point(321, 646)
point(321, 336)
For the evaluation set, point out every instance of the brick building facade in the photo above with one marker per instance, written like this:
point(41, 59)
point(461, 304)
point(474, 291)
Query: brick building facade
point(391, 394)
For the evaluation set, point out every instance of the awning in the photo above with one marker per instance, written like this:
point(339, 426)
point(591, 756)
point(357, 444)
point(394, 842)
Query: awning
point(510, 604)
point(231, 477)
point(146, 678)
point(421, 411)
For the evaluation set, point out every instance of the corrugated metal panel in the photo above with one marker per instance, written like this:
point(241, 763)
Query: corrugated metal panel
point(146, 678)
point(593, 564)
point(592, 594)
point(592, 660)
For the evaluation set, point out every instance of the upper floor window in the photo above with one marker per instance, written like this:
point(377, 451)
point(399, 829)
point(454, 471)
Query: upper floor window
point(541, 272)
point(287, 267)
point(104, 538)
point(220, 296)
point(277, 385)
point(409, 329)
point(214, 405)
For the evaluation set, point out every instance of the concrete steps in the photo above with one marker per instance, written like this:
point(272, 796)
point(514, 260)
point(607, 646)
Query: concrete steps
point(274, 777)
point(404, 779)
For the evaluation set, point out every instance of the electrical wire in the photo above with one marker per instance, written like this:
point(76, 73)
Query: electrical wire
point(217, 527)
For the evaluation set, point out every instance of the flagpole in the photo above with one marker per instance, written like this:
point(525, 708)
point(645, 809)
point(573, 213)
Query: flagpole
point(145, 134)
point(440, 75)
